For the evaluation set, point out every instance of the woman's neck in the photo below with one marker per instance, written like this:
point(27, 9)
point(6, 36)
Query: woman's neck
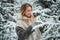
point(27, 16)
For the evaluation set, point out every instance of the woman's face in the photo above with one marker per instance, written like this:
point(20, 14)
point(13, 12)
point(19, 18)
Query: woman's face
point(28, 11)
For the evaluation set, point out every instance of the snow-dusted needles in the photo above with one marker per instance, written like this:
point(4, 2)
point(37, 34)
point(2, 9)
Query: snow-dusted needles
point(42, 24)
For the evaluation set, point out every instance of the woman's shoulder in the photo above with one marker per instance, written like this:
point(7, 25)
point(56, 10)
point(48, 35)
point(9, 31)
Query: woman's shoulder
point(19, 17)
point(19, 21)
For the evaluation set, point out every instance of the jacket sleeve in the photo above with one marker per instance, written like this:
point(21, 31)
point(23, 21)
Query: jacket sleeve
point(19, 32)
point(23, 34)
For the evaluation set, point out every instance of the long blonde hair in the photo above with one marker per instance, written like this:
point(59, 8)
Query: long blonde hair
point(23, 8)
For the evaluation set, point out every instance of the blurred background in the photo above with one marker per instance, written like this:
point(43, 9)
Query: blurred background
point(45, 11)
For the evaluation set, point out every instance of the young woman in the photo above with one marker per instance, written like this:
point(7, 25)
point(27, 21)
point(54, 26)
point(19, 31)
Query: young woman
point(25, 23)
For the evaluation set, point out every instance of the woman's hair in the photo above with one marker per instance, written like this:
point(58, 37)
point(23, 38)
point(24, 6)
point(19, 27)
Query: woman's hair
point(22, 10)
point(23, 7)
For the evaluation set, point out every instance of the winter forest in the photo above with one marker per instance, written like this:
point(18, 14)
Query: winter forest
point(47, 12)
